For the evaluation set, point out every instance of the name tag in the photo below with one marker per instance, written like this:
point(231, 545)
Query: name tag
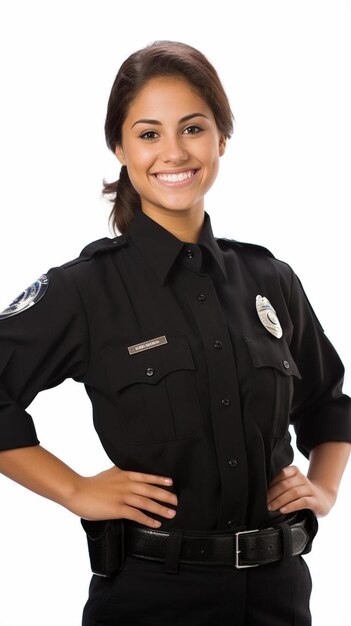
point(147, 345)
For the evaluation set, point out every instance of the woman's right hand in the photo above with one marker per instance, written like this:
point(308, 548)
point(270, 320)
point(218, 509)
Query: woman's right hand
point(117, 493)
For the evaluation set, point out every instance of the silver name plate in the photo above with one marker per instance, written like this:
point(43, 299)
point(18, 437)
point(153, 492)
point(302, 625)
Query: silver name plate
point(147, 345)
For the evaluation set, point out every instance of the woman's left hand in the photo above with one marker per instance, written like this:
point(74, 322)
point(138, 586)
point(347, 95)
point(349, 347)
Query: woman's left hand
point(291, 491)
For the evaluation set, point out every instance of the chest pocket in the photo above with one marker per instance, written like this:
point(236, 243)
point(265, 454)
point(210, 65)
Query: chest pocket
point(273, 373)
point(157, 392)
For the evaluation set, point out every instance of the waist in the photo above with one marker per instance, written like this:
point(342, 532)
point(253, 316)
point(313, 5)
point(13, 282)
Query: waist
point(239, 548)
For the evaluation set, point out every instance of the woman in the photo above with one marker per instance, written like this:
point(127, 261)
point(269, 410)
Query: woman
point(197, 354)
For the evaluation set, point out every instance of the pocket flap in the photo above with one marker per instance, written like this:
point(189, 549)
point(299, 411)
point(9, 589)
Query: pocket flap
point(150, 366)
point(267, 352)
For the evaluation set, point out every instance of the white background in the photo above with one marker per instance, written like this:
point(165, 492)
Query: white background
point(282, 184)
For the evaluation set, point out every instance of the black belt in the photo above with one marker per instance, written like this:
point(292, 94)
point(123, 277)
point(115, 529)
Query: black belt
point(242, 549)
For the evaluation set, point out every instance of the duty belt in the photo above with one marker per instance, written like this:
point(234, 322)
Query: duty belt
point(242, 549)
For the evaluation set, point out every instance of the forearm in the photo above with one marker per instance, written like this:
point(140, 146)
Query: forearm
point(327, 464)
point(111, 494)
point(40, 471)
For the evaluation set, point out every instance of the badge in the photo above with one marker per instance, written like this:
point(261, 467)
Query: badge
point(27, 298)
point(268, 316)
point(147, 345)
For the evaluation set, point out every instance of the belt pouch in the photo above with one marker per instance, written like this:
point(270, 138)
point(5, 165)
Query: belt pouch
point(106, 546)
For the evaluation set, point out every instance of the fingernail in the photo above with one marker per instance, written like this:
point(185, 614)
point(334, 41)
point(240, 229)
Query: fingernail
point(171, 513)
point(168, 481)
point(269, 507)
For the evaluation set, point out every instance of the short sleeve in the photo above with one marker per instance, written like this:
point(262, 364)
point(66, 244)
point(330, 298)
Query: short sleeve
point(39, 348)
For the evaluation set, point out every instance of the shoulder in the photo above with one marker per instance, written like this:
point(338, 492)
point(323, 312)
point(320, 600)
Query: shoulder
point(61, 284)
point(91, 259)
point(265, 268)
point(256, 255)
point(244, 246)
point(106, 245)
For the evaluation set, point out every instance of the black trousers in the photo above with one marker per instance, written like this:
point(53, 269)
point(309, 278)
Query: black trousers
point(143, 594)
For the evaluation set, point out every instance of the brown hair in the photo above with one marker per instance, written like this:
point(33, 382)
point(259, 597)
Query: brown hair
point(162, 58)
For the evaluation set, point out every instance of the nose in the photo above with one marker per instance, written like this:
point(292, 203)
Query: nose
point(173, 150)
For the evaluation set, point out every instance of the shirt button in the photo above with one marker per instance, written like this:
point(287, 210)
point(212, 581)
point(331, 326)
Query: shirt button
point(286, 364)
point(201, 297)
point(233, 463)
point(218, 344)
point(226, 402)
point(189, 253)
point(150, 371)
point(231, 523)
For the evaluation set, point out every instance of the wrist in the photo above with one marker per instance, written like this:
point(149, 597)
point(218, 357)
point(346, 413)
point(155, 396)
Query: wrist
point(72, 494)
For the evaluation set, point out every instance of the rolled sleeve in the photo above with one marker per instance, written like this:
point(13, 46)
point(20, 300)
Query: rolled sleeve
point(39, 348)
point(321, 412)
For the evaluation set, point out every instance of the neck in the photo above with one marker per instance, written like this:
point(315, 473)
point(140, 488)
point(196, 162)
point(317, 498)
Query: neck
point(185, 225)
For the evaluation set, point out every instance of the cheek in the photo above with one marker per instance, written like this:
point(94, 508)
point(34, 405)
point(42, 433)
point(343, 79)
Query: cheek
point(213, 161)
point(138, 157)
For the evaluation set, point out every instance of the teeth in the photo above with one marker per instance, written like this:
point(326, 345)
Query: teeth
point(175, 178)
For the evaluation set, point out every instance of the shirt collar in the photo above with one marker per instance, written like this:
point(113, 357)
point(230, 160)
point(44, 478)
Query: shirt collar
point(160, 248)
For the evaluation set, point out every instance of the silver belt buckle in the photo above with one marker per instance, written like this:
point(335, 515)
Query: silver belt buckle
point(237, 549)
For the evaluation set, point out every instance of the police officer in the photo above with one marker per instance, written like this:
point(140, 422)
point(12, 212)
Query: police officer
point(197, 353)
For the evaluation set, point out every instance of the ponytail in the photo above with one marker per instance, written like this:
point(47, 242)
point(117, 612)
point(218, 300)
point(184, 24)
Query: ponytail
point(125, 201)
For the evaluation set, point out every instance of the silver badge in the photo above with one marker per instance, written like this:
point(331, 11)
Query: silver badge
point(27, 298)
point(147, 345)
point(268, 316)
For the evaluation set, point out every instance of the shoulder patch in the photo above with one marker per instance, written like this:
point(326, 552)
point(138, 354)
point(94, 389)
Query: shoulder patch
point(252, 246)
point(27, 298)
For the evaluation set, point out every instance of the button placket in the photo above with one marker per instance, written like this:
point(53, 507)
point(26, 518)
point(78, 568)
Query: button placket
point(227, 427)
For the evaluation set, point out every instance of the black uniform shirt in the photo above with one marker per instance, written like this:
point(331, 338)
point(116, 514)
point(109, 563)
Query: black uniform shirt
point(210, 399)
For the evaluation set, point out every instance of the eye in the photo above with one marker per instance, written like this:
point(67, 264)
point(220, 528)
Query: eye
point(149, 134)
point(192, 130)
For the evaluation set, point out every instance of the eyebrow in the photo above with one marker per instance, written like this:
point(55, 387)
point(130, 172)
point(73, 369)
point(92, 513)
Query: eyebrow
point(158, 123)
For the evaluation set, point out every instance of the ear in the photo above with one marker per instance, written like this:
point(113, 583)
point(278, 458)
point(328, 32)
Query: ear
point(222, 144)
point(120, 155)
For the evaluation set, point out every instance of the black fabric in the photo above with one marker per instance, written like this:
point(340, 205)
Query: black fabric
point(143, 594)
point(212, 406)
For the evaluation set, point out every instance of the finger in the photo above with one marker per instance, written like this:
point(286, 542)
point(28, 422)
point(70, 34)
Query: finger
point(286, 472)
point(145, 504)
point(298, 505)
point(290, 496)
point(154, 493)
point(137, 516)
point(149, 478)
point(285, 485)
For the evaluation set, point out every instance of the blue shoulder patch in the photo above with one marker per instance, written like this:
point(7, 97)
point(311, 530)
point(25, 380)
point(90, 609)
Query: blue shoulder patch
point(27, 298)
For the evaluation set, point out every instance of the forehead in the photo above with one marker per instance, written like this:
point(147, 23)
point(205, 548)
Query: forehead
point(167, 95)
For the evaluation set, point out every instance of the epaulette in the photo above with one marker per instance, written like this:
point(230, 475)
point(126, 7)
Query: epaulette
point(250, 246)
point(100, 245)
point(103, 244)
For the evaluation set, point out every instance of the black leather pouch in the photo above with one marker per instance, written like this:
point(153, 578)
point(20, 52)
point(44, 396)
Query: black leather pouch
point(310, 524)
point(106, 546)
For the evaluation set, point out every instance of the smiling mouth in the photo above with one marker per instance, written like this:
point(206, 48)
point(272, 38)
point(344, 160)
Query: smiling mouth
point(176, 178)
